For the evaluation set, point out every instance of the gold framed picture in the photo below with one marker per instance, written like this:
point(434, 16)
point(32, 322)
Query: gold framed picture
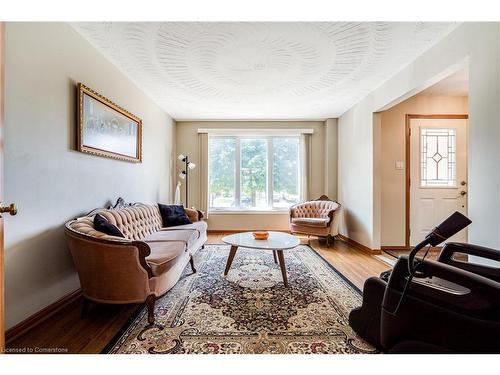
point(106, 129)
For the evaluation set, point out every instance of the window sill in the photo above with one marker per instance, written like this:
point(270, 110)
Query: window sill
point(248, 212)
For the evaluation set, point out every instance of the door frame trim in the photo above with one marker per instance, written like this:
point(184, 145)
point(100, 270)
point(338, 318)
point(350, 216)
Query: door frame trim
point(2, 261)
point(408, 118)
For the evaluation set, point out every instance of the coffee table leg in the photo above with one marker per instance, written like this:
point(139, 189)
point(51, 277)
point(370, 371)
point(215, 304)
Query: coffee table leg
point(232, 253)
point(275, 257)
point(282, 266)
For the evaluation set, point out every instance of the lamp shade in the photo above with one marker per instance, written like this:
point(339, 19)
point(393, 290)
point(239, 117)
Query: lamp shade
point(181, 157)
point(182, 175)
point(191, 165)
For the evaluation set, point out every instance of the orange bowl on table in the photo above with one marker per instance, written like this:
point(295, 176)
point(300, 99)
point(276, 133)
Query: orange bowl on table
point(261, 235)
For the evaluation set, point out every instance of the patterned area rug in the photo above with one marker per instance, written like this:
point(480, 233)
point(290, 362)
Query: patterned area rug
point(250, 310)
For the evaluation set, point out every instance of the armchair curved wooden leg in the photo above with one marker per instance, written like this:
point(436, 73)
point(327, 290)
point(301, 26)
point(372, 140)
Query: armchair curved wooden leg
point(85, 307)
point(150, 304)
point(332, 239)
point(191, 261)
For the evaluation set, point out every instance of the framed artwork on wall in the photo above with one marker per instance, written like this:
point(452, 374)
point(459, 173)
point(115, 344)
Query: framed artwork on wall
point(106, 129)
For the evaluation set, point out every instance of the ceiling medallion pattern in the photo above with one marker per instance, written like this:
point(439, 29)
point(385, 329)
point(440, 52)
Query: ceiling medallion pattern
point(240, 70)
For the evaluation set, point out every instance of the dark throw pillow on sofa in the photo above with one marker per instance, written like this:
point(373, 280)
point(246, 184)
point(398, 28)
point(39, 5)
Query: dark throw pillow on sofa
point(173, 215)
point(104, 226)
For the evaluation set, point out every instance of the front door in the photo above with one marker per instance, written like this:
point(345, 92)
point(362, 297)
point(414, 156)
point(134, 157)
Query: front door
point(438, 173)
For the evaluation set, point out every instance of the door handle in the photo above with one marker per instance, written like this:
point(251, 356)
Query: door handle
point(463, 193)
point(11, 209)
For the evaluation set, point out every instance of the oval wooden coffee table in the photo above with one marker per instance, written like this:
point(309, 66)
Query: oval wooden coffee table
point(277, 242)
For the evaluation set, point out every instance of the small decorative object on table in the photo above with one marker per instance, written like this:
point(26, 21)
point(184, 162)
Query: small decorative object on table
point(261, 235)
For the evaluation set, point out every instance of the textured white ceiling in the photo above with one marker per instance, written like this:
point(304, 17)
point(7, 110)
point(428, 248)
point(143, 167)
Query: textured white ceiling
point(203, 70)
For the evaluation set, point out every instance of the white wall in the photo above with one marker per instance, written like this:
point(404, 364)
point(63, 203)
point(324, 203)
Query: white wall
point(393, 148)
point(331, 157)
point(355, 187)
point(45, 176)
point(479, 44)
point(324, 146)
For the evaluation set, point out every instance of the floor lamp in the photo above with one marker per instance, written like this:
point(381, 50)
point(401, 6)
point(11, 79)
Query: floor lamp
point(184, 174)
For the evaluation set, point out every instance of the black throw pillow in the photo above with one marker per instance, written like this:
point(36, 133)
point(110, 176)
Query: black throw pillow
point(173, 215)
point(104, 226)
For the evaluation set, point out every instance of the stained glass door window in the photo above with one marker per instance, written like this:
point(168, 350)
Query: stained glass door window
point(438, 157)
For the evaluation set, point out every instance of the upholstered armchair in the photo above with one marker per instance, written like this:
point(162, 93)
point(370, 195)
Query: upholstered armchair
point(318, 217)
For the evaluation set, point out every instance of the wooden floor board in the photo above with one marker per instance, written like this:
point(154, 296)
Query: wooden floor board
point(71, 333)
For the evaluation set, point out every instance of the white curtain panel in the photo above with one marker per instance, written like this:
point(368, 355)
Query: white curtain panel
point(305, 170)
point(203, 172)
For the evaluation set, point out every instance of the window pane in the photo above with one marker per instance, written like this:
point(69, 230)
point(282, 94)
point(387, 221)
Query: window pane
point(437, 150)
point(221, 172)
point(253, 173)
point(285, 172)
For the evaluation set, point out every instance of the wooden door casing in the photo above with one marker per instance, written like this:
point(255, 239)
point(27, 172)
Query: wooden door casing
point(2, 287)
point(408, 119)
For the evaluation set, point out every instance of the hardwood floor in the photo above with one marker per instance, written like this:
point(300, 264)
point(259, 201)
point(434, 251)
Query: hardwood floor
point(68, 332)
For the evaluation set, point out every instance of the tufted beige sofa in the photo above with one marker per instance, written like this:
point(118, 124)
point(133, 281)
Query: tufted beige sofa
point(319, 217)
point(140, 267)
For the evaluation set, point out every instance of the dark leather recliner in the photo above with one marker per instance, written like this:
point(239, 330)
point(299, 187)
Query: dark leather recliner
point(456, 308)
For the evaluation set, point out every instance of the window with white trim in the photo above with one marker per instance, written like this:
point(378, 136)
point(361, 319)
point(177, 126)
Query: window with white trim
point(253, 173)
point(438, 167)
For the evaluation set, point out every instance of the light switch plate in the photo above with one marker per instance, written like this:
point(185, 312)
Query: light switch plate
point(400, 165)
